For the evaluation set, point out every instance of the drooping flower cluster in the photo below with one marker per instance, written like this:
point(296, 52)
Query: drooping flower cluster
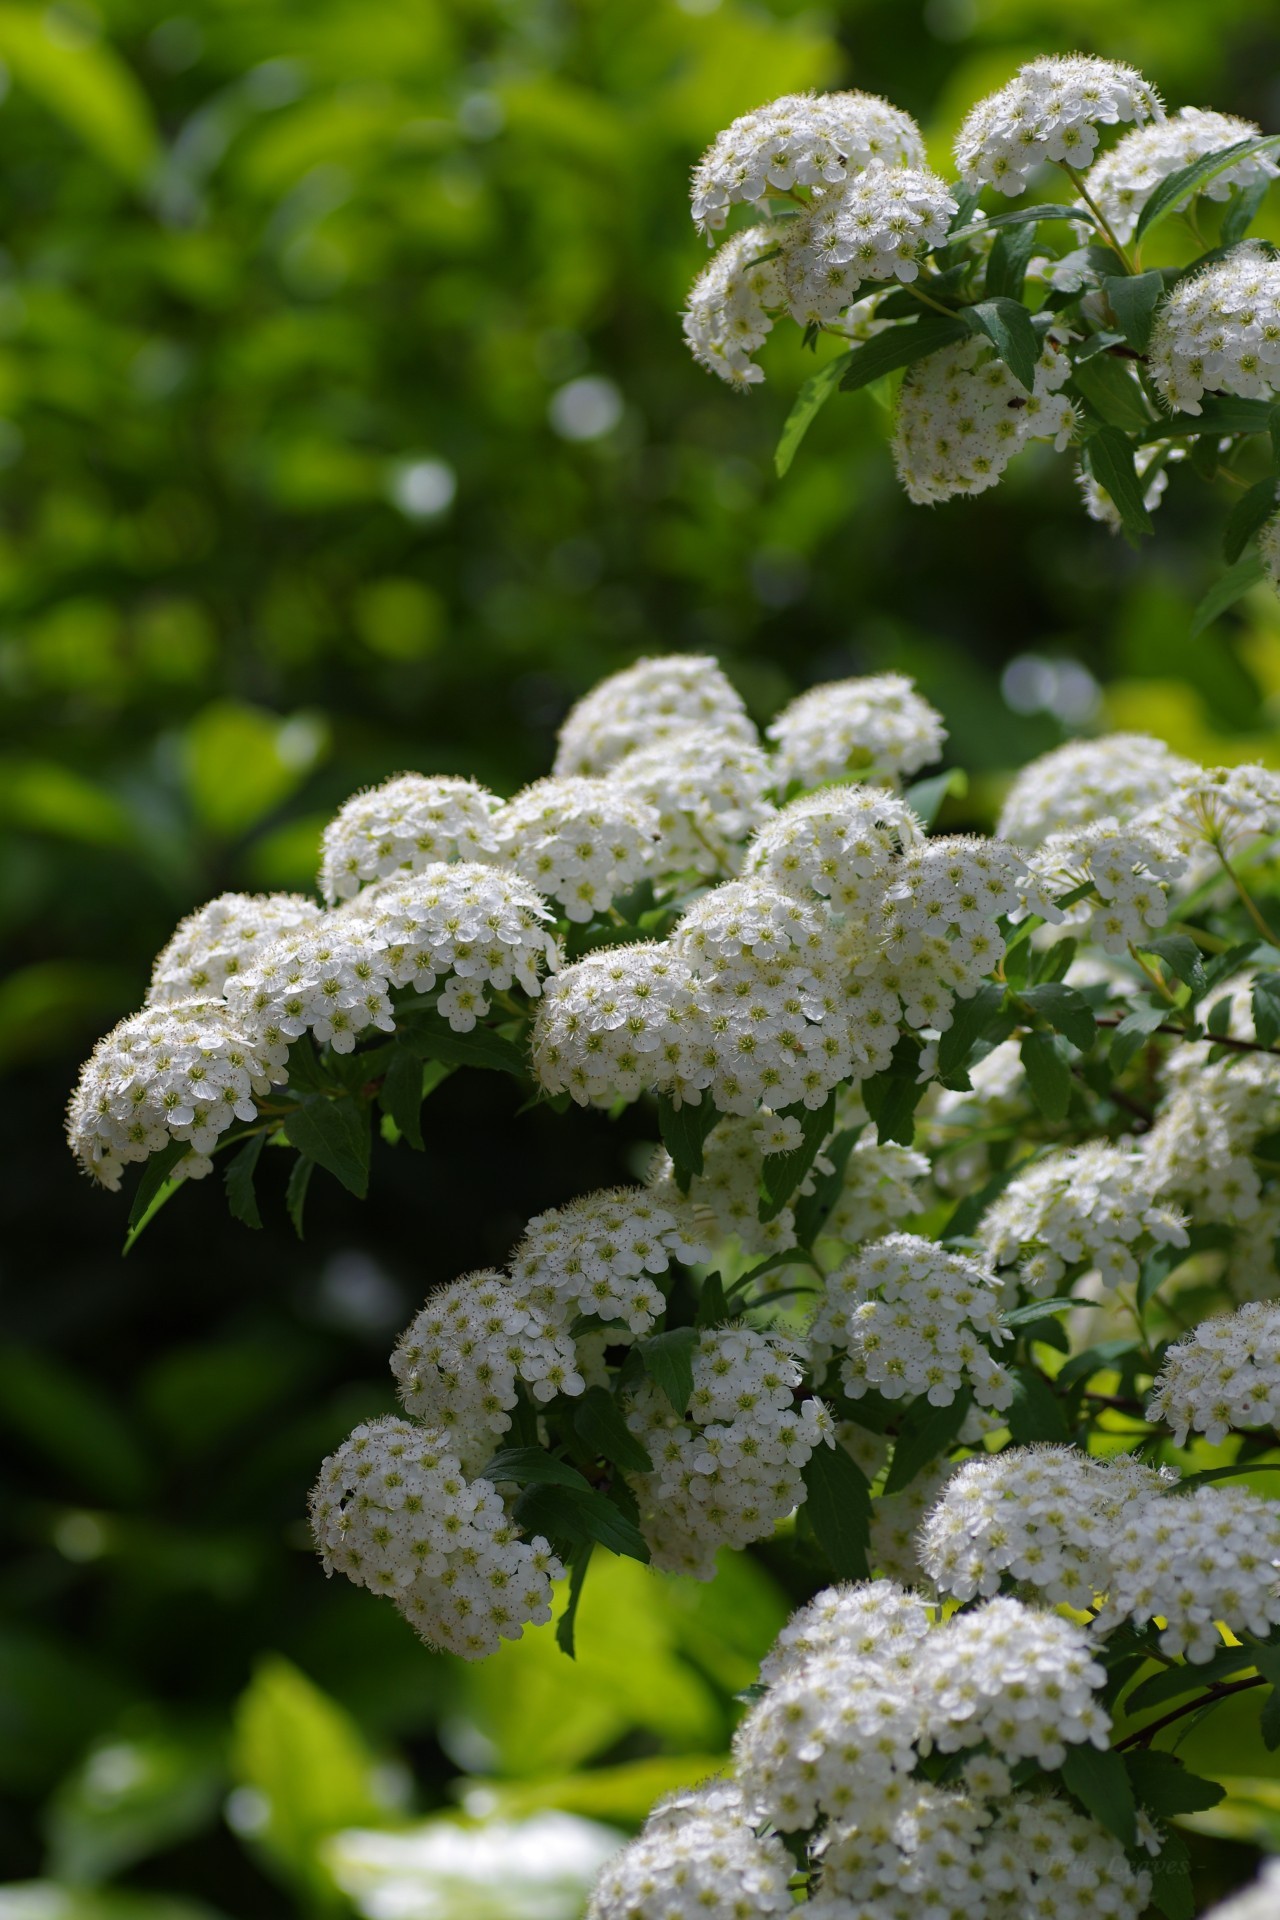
point(963, 415)
point(1224, 1375)
point(1085, 1204)
point(1050, 111)
point(1122, 180)
point(1220, 330)
point(697, 1854)
point(731, 304)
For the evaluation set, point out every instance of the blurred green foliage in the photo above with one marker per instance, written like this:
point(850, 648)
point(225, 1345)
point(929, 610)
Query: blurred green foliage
point(345, 425)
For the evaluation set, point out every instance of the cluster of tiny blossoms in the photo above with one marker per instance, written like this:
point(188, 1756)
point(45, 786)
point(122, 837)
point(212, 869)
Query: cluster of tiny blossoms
point(1084, 1205)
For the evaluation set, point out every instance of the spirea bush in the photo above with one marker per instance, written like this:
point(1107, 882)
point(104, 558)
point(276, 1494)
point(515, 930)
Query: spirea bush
point(953, 1260)
point(1071, 318)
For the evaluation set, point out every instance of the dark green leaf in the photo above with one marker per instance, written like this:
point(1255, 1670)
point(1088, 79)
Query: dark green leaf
point(971, 1015)
point(401, 1094)
point(1130, 1034)
point(782, 1173)
point(1206, 1477)
point(238, 1180)
point(1064, 1009)
point(812, 1208)
point(808, 404)
point(1040, 1310)
point(892, 1096)
point(1265, 1001)
point(924, 1434)
point(1036, 1413)
point(1102, 1786)
point(1172, 1682)
point(1019, 216)
point(1163, 1785)
point(599, 1424)
point(925, 797)
point(433, 1039)
point(1048, 1075)
point(579, 1515)
point(155, 1188)
point(1267, 1661)
point(1224, 593)
point(1099, 1359)
point(1171, 1892)
point(1182, 957)
point(528, 1466)
point(1178, 188)
point(1251, 511)
point(305, 1072)
point(335, 1134)
point(668, 1360)
point(1009, 258)
point(1109, 456)
point(1054, 962)
point(1133, 298)
point(1007, 325)
point(684, 1129)
point(568, 1620)
point(1218, 1019)
point(898, 347)
point(1112, 392)
point(838, 1505)
point(712, 1305)
point(295, 1196)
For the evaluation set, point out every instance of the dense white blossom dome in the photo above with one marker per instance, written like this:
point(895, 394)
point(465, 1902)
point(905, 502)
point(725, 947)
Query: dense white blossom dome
point(1124, 179)
point(603, 1254)
point(1219, 331)
point(485, 927)
point(1129, 866)
point(1076, 785)
point(729, 312)
point(878, 227)
point(220, 940)
point(962, 416)
point(708, 789)
point(698, 1856)
point(653, 700)
point(1015, 1676)
point(1089, 1203)
point(1224, 1375)
point(403, 826)
point(1050, 111)
point(1193, 1560)
point(879, 727)
point(618, 1023)
point(839, 843)
point(874, 1619)
point(578, 840)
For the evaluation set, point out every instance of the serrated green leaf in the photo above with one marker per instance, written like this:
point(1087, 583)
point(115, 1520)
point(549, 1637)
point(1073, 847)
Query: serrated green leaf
point(335, 1134)
point(667, 1358)
point(1036, 1413)
point(892, 1096)
point(684, 1130)
point(1172, 1682)
point(1102, 1786)
point(1111, 390)
point(1008, 260)
point(1133, 298)
point(1067, 1011)
point(531, 1466)
point(924, 1434)
point(898, 347)
point(1224, 593)
point(1182, 956)
point(1048, 1074)
point(1164, 1786)
point(599, 1423)
point(238, 1181)
point(1178, 188)
point(579, 1515)
point(971, 1015)
point(1130, 1034)
point(806, 407)
point(838, 1505)
point(1109, 457)
point(1250, 512)
point(1007, 325)
point(782, 1173)
point(295, 1196)
point(1265, 1001)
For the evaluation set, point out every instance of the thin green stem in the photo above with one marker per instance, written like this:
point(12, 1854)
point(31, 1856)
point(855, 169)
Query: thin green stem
point(1101, 218)
point(1247, 899)
point(948, 313)
point(1209, 1699)
point(1159, 985)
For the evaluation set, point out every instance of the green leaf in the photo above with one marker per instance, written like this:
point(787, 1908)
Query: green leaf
point(667, 1358)
point(1172, 1893)
point(238, 1180)
point(1182, 957)
point(1130, 1034)
point(1267, 1661)
point(1007, 325)
point(892, 1096)
point(155, 1189)
point(579, 1515)
point(838, 1505)
point(713, 1308)
point(1206, 1477)
point(242, 762)
point(1241, 212)
point(1133, 298)
point(897, 347)
point(568, 1620)
point(813, 1208)
point(806, 407)
point(1018, 216)
point(1048, 1074)
point(1250, 512)
point(401, 1094)
point(971, 1015)
point(1224, 593)
point(925, 797)
point(528, 1466)
point(684, 1129)
point(924, 1434)
point(434, 1039)
point(1265, 1001)
point(1065, 1010)
point(1102, 1786)
point(782, 1173)
point(1109, 456)
point(600, 1426)
point(1178, 188)
point(1172, 1682)
point(82, 80)
point(1054, 962)
point(1008, 260)
point(1040, 1310)
point(1112, 392)
point(295, 1197)
point(165, 1788)
point(1097, 1359)
point(1036, 1413)
point(335, 1134)
point(1164, 1786)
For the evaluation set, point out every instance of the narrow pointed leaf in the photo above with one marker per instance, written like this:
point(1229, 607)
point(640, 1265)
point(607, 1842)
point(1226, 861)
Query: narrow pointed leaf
point(808, 404)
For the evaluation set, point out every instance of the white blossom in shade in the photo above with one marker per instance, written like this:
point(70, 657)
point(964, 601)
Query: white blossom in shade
point(921, 1848)
point(1260, 1900)
point(1122, 181)
point(1206, 1127)
point(894, 1548)
point(696, 1857)
point(329, 979)
point(1015, 1676)
point(1042, 1857)
point(393, 1510)
point(1253, 1272)
point(938, 932)
point(1223, 1376)
point(727, 1471)
point(487, 927)
point(1129, 867)
point(184, 1072)
point(1085, 781)
point(578, 840)
point(1269, 551)
point(1222, 808)
point(1041, 1516)
point(878, 727)
point(840, 843)
point(219, 941)
point(458, 1364)
point(1050, 111)
point(962, 416)
point(907, 1317)
point(725, 1196)
point(801, 140)
point(1193, 1560)
point(1154, 459)
point(653, 700)
point(834, 1735)
point(618, 1023)
point(731, 304)
point(871, 1620)
point(1091, 1204)
point(880, 1187)
point(708, 789)
point(1219, 331)
point(601, 1254)
point(878, 227)
point(404, 825)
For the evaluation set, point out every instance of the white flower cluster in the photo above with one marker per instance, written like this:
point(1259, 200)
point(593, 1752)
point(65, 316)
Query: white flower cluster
point(404, 825)
point(878, 727)
point(600, 1253)
point(707, 788)
point(393, 1510)
point(730, 1469)
point(1192, 1560)
point(221, 940)
point(907, 1317)
point(1020, 1679)
point(1129, 868)
point(729, 312)
point(872, 1619)
point(962, 416)
point(1206, 1127)
point(1091, 1203)
point(800, 140)
point(619, 1022)
point(653, 700)
point(725, 1196)
point(879, 228)
point(1050, 111)
point(486, 928)
point(881, 1186)
point(1224, 808)
point(939, 933)
point(1224, 1375)
point(578, 840)
point(328, 979)
point(1219, 330)
point(1076, 785)
point(179, 1072)
point(840, 844)
point(698, 1855)
point(1123, 180)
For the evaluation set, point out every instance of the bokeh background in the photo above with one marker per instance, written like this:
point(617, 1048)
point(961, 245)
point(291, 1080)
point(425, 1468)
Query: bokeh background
point(345, 426)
